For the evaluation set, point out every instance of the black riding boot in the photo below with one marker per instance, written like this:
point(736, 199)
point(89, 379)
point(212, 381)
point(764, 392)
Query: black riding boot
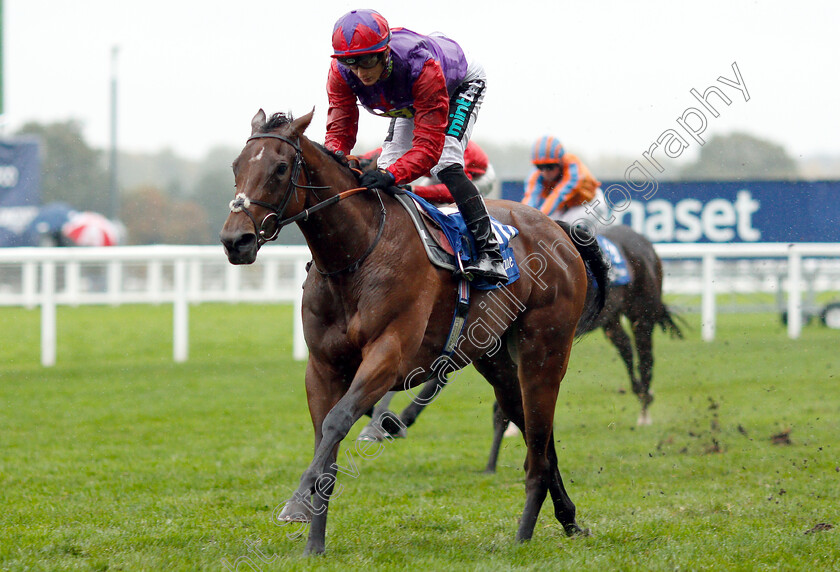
point(488, 263)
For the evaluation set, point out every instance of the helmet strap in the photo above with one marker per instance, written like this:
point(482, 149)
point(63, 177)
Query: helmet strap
point(389, 63)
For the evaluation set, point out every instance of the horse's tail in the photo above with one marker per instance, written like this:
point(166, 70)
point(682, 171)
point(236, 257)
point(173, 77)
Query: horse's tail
point(598, 270)
point(668, 323)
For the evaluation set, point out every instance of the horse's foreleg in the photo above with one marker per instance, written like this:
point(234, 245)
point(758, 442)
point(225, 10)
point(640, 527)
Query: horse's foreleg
point(373, 379)
point(324, 390)
point(324, 485)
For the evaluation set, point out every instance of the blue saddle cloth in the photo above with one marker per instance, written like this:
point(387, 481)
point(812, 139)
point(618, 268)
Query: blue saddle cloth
point(452, 224)
point(619, 273)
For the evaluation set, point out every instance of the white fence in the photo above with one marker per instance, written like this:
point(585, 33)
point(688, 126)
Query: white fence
point(184, 275)
point(180, 275)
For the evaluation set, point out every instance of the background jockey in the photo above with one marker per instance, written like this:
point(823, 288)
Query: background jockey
point(561, 184)
point(432, 92)
point(476, 165)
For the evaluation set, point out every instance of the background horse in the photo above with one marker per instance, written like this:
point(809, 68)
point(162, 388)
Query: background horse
point(376, 313)
point(639, 301)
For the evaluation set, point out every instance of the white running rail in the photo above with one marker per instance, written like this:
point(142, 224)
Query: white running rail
point(184, 275)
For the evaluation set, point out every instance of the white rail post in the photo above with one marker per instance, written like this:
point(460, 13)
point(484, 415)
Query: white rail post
point(29, 284)
point(154, 281)
point(232, 278)
point(48, 336)
point(73, 281)
point(114, 281)
point(299, 349)
point(707, 318)
point(180, 313)
point(794, 305)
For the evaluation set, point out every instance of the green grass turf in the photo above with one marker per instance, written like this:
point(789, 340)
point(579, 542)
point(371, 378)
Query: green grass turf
point(119, 459)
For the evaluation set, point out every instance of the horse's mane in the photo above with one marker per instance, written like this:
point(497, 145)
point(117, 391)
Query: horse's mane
point(278, 120)
point(332, 154)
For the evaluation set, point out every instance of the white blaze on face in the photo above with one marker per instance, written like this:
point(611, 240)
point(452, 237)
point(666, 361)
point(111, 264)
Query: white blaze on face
point(258, 156)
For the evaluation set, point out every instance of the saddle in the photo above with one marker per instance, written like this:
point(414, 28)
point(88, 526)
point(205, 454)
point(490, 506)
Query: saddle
point(619, 274)
point(440, 227)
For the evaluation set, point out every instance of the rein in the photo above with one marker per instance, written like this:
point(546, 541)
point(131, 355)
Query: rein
point(241, 203)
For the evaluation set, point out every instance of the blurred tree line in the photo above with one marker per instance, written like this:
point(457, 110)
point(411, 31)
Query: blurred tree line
point(168, 199)
point(164, 199)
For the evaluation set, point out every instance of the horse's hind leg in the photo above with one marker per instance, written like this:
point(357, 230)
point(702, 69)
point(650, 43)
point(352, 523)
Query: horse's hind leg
point(502, 373)
point(500, 423)
point(643, 334)
point(564, 508)
point(542, 474)
point(544, 358)
point(382, 421)
point(428, 393)
point(615, 333)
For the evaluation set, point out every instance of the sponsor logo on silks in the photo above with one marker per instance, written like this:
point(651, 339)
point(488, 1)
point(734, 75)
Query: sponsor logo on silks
point(461, 107)
point(406, 112)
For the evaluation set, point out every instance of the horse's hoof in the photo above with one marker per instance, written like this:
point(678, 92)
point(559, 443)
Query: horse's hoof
point(395, 430)
point(644, 419)
point(317, 550)
point(294, 511)
point(370, 433)
point(574, 530)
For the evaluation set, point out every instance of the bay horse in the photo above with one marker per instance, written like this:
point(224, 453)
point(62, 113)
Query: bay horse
point(376, 313)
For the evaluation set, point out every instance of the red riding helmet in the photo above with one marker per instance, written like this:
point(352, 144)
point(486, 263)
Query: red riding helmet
point(547, 151)
point(360, 32)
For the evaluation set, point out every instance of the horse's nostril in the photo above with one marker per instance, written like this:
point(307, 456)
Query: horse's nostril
point(246, 242)
point(238, 243)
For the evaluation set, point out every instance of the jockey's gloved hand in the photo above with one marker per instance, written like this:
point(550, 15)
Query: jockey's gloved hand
point(378, 179)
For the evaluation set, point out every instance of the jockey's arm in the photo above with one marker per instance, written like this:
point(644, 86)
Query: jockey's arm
point(342, 115)
point(431, 108)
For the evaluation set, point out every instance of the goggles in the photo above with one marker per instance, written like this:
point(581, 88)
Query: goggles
point(366, 61)
point(547, 167)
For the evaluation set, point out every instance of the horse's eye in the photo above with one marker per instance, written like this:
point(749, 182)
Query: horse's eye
point(281, 168)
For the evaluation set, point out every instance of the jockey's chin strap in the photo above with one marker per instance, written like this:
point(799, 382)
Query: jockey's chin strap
point(241, 203)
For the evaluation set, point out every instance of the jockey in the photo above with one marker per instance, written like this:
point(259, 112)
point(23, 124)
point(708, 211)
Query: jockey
point(476, 165)
point(561, 184)
point(432, 92)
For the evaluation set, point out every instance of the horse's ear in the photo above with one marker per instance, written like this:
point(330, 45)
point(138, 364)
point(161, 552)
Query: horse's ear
point(300, 124)
point(258, 121)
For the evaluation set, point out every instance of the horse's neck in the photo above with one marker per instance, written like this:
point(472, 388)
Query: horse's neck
point(340, 234)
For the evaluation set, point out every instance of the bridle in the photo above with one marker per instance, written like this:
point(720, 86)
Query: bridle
point(241, 203)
